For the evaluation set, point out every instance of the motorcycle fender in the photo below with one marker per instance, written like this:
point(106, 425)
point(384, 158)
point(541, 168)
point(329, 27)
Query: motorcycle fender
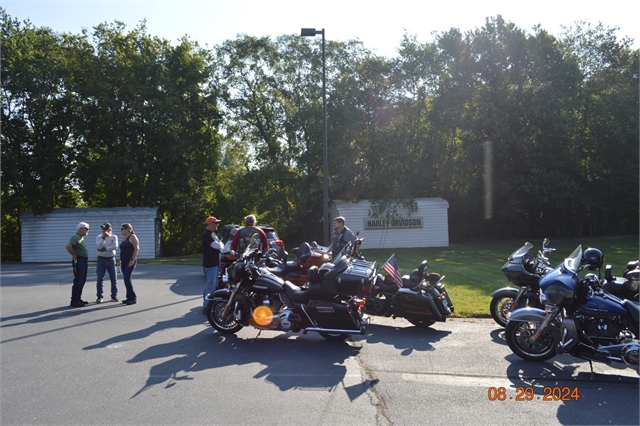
point(527, 315)
point(505, 292)
point(220, 294)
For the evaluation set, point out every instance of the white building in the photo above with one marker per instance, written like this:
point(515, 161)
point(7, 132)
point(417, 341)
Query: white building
point(427, 226)
point(43, 237)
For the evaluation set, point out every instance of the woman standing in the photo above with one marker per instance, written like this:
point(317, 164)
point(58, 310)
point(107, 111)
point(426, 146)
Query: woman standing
point(129, 248)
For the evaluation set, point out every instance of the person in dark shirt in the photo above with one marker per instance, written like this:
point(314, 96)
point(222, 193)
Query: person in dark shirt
point(243, 236)
point(341, 236)
point(129, 248)
point(80, 261)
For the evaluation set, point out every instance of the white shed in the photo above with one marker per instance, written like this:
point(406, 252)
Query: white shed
point(428, 226)
point(43, 237)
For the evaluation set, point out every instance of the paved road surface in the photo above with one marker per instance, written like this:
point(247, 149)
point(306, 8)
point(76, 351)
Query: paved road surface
point(160, 363)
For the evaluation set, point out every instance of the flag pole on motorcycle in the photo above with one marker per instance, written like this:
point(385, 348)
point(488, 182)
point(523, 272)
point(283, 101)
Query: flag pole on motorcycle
point(391, 268)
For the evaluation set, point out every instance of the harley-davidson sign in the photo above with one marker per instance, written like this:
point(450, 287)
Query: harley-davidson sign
point(396, 222)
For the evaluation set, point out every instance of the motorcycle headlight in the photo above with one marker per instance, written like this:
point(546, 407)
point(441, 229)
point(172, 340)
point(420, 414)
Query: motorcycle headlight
point(543, 298)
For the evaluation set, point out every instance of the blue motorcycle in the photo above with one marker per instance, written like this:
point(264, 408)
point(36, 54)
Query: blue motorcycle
point(580, 318)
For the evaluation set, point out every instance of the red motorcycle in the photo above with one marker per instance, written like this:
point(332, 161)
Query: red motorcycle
point(295, 271)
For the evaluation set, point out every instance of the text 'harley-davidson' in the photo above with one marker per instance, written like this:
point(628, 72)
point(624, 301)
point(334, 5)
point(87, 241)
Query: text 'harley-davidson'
point(580, 318)
point(329, 305)
point(420, 298)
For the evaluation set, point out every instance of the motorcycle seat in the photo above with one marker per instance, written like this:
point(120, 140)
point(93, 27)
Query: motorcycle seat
point(283, 268)
point(633, 308)
point(340, 265)
point(384, 287)
point(303, 253)
point(300, 295)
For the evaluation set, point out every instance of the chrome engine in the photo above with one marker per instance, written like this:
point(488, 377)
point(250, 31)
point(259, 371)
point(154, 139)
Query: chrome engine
point(600, 339)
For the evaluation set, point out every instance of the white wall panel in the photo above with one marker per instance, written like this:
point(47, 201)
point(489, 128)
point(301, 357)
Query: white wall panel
point(43, 237)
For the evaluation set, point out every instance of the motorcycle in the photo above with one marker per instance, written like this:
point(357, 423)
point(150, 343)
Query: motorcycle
point(422, 300)
point(330, 305)
point(580, 319)
point(295, 271)
point(523, 270)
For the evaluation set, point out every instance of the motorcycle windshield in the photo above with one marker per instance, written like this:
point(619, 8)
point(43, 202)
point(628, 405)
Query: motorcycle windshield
point(572, 263)
point(521, 251)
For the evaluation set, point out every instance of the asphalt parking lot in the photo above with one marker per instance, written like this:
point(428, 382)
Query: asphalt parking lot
point(159, 362)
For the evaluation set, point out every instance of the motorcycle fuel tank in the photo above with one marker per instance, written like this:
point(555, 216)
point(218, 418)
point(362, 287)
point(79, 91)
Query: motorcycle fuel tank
point(599, 306)
point(268, 283)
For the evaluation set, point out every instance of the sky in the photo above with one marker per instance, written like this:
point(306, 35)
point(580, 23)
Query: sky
point(380, 25)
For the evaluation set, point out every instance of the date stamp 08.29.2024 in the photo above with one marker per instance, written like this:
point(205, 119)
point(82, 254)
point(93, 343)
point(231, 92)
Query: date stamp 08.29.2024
point(554, 393)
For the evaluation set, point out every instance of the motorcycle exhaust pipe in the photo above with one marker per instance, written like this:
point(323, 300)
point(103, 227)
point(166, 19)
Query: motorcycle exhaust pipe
point(335, 330)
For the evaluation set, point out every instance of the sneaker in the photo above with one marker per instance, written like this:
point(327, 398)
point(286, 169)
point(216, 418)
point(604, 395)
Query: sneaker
point(129, 302)
point(99, 300)
point(84, 301)
point(77, 304)
point(115, 299)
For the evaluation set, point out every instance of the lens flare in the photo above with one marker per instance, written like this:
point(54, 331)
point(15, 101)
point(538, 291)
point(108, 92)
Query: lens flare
point(262, 316)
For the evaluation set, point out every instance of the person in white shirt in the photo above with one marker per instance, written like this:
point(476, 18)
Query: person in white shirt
point(106, 244)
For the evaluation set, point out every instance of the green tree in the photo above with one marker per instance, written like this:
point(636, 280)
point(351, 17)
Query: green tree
point(606, 137)
point(148, 129)
point(38, 109)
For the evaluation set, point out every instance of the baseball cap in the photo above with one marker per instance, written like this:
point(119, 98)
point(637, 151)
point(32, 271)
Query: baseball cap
point(211, 219)
point(83, 225)
point(105, 225)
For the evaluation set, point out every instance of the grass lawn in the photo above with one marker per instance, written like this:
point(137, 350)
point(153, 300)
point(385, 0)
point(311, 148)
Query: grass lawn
point(472, 270)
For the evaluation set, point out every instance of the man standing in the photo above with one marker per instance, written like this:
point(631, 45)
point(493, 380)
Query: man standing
point(341, 236)
point(80, 261)
point(106, 244)
point(243, 236)
point(211, 247)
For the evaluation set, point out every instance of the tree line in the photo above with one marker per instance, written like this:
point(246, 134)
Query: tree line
point(115, 117)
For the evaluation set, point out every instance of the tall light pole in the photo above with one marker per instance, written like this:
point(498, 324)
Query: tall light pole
point(311, 32)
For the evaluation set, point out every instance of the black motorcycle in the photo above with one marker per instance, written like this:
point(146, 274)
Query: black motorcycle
point(579, 319)
point(329, 305)
point(422, 300)
point(523, 270)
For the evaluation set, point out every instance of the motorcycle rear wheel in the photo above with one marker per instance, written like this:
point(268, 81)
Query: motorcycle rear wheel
point(421, 323)
point(499, 308)
point(337, 337)
point(519, 336)
point(226, 324)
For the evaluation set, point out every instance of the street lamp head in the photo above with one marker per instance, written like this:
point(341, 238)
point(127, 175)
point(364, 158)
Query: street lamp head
point(308, 32)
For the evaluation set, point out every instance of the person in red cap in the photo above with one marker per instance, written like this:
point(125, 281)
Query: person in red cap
point(211, 248)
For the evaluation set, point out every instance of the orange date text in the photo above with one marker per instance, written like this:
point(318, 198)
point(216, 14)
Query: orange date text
point(555, 393)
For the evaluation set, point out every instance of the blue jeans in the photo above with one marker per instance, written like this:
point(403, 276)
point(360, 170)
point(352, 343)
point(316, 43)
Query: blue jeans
point(126, 275)
point(80, 267)
point(106, 265)
point(212, 283)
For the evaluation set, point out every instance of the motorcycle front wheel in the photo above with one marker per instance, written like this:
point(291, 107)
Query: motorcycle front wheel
point(520, 338)
point(224, 323)
point(500, 307)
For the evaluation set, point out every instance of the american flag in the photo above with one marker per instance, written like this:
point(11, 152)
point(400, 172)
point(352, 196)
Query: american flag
point(391, 268)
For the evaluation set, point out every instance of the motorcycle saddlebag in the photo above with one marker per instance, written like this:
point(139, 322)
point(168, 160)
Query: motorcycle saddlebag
point(419, 306)
point(331, 315)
